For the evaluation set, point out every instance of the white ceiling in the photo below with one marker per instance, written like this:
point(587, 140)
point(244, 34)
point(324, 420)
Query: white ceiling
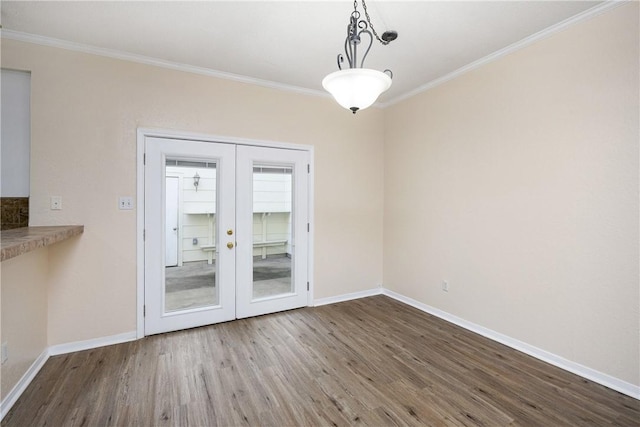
point(294, 43)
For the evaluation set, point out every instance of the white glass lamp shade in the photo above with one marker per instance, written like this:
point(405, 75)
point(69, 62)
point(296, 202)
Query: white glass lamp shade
point(356, 88)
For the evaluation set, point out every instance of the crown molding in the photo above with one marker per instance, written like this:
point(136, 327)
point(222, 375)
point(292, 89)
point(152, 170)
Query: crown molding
point(116, 54)
point(527, 41)
point(147, 60)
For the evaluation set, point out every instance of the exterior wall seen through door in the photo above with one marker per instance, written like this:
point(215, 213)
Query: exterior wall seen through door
point(197, 213)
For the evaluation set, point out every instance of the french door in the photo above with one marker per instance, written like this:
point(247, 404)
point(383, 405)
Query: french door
point(226, 232)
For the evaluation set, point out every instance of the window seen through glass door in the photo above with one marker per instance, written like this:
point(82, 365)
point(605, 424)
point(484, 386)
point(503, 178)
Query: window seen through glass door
point(272, 231)
point(190, 235)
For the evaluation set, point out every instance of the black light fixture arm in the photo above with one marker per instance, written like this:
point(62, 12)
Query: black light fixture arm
point(356, 28)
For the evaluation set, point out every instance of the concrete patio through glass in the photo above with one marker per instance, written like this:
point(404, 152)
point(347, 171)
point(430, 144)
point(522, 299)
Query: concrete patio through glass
point(194, 284)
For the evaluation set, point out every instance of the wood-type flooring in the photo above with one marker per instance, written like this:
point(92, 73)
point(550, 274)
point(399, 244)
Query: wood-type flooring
point(372, 361)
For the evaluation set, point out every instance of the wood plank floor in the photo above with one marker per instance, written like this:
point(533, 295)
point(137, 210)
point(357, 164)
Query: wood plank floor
point(372, 361)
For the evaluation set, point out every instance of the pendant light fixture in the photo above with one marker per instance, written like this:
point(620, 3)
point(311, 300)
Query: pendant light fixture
point(357, 88)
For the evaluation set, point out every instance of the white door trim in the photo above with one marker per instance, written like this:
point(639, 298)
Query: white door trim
point(142, 134)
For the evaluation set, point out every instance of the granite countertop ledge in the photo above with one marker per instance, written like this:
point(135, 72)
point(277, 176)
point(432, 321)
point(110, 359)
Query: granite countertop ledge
point(22, 240)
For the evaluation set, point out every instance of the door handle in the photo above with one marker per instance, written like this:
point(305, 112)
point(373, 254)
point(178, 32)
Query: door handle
point(230, 245)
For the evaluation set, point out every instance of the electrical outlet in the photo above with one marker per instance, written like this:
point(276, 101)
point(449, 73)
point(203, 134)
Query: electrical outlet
point(4, 352)
point(125, 203)
point(56, 203)
point(445, 286)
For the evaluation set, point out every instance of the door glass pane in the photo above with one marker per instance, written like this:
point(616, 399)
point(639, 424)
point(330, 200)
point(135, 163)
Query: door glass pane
point(272, 230)
point(190, 235)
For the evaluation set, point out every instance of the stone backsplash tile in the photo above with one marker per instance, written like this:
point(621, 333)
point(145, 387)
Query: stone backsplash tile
point(14, 212)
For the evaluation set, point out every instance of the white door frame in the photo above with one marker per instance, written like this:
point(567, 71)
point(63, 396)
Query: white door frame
point(142, 134)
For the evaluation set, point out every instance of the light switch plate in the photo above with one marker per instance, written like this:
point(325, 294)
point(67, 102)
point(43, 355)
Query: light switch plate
point(125, 203)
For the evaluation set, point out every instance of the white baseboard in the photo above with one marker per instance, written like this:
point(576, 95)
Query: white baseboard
point(347, 297)
point(55, 350)
point(553, 359)
point(21, 386)
point(11, 398)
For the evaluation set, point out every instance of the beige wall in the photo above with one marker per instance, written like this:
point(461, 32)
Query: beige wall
point(85, 112)
point(24, 314)
point(518, 183)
